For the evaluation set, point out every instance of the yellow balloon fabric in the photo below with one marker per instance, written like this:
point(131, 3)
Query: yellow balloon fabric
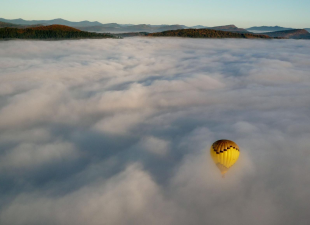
point(224, 153)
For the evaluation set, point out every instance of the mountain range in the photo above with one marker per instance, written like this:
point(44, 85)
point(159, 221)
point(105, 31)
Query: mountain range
point(51, 22)
point(262, 29)
point(290, 34)
point(96, 26)
point(4, 24)
point(116, 28)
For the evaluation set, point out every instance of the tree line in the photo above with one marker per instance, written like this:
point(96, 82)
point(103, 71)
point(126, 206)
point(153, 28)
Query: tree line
point(205, 33)
point(28, 33)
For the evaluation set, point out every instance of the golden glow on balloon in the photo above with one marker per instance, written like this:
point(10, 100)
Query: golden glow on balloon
point(224, 153)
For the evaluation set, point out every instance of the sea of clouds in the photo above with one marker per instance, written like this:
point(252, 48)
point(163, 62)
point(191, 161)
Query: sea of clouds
point(118, 132)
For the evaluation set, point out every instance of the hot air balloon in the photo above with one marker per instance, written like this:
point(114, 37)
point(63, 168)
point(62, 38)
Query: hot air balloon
point(224, 153)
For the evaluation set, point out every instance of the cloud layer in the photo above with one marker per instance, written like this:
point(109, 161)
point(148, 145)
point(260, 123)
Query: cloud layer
point(119, 131)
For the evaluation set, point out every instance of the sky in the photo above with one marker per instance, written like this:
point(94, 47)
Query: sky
point(119, 131)
point(242, 13)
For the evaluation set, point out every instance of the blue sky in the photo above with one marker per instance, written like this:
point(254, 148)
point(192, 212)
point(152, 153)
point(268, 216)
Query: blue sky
point(243, 13)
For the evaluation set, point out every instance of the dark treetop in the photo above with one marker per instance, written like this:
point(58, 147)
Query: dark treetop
point(49, 32)
point(205, 33)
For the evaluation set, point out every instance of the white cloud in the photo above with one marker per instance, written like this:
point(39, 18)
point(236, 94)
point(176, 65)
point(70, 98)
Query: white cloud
point(28, 135)
point(119, 200)
point(245, 127)
point(119, 131)
point(154, 145)
point(29, 156)
point(118, 124)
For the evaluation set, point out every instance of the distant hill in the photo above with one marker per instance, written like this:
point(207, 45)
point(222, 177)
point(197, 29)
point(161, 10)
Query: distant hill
point(205, 33)
point(156, 28)
point(230, 28)
point(55, 28)
point(292, 34)
point(49, 32)
point(4, 24)
point(125, 25)
point(170, 27)
point(264, 29)
point(114, 25)
point(198, 27)
point(50, 22)
point(132, 28)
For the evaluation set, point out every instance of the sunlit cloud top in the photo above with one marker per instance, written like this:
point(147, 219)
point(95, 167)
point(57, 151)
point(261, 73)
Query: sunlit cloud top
point(120, 131)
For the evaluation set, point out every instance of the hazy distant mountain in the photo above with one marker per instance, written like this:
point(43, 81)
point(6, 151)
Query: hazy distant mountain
point(230, 28)
point(156, 28)
point(292, 34)
point(125, 25)
point(51, 22)
point(267, 29)
point(4, 24)
point(307, 29)
point(129, 28)
point(198, 26)
point(115, 25)
point(170, 27)
point(133, 28)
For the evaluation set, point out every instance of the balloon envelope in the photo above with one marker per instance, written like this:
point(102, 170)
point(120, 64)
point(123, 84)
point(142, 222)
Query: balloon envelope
point(224, 153)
